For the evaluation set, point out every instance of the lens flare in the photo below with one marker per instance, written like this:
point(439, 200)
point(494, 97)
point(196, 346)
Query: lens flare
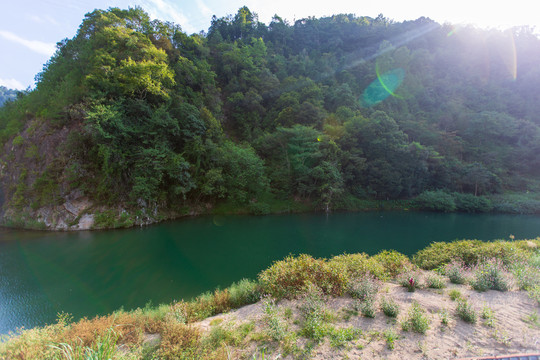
point(383, 87)
point(508, 53)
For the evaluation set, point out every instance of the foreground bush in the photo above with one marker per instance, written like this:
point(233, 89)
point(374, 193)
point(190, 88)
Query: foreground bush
point(471, 251)
point(287, 278)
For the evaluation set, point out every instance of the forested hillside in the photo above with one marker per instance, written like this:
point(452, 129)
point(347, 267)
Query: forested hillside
point(133, 120)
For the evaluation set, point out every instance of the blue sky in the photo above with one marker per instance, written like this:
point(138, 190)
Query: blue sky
point(29, 29)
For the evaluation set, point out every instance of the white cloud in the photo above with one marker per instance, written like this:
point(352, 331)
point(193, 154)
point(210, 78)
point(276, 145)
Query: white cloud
point(44, 19)
point(12, 84)
point(39, 47)
point(204, 10)
point(163, 10)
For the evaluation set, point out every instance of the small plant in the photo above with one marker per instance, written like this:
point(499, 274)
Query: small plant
point(488, 316)
point(314, 314)
point(457, 273)
point(417, 320)
point(390, 336)
point(365, 288)
point(389, 307)
point(534, 293)
point(368, 308)
point(491, 274)
point(527, 274)
point(435, 281)
point(410, 281)
point(455, 294)
point(276, 328)
point(338, 337)
point(466, 312)
point(532, 319)
point(445, 317)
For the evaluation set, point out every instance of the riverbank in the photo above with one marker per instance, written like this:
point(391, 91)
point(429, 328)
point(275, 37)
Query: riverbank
point(83, 214)
point(389, 305)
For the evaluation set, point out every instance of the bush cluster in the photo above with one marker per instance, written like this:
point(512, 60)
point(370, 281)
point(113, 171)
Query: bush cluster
point(443, 201)
point(491, 274)
point(287, 278)
point(471, 251)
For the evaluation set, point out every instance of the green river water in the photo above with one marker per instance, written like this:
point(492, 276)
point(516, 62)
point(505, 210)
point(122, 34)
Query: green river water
point(90, 273)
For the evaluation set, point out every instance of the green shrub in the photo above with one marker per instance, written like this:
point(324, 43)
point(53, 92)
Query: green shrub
point(288, 278)
point(275, 326)
point(389, 307)
point(393, 263)
point(436, 201)
point(364, 289)
point(455, 294)
point(338, 337)
point(358, 265)
point(410, 280)
point(417, 320)
point(488, 316)
point(435, 281)
point(534, 293)
point(18, 140)
point(315, 316)
point(457, 273)
point(472, 204)
point(390, 336)
point(490, 274)
point(516, 204)
point(466, 312)
point(470, 252)
point(527, 276)
point(367, 308)
point(244, 292)
point(444, 316)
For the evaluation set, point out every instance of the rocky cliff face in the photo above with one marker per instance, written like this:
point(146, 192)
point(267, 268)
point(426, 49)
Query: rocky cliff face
point(35, 188)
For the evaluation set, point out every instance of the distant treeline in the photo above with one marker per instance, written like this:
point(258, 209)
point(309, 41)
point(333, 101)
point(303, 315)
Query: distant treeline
point(321, 110)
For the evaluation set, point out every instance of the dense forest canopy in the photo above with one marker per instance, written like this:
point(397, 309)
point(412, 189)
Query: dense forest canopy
point(322, 110)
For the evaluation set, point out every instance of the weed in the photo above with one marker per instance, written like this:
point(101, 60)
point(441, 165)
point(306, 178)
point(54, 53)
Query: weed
point(276, 328)
point(389, 307)
point(527, 275)
point(490, 274)
point(409, 280)
point(534, 293)
point(339, 336)
point(466, 312)
point(365, 288)
point(445, 317)
point(315, 315)
point(367, 308)
point(532, 319)
point(390, 336)
point(455, 294)
point(457, 273)
point(417, 320)
point(435, 281)
point(488, 315)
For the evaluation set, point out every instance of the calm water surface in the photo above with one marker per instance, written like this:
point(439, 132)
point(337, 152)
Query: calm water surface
point(90, 273)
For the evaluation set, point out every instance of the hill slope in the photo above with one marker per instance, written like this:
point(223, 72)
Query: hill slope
point(134, 121)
